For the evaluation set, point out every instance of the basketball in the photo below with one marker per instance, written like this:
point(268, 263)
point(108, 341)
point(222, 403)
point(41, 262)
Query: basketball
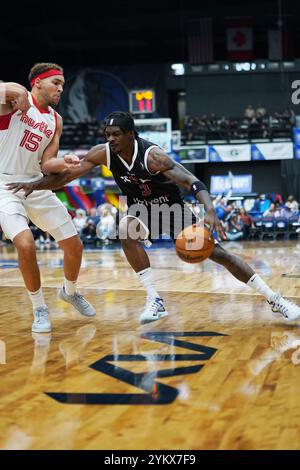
point(193, 244)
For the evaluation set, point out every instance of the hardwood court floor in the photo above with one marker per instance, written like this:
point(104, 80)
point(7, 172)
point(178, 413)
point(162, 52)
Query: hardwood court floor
point(219, 373)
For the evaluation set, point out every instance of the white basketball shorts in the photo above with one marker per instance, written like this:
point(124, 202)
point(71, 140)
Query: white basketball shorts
point(43, 208)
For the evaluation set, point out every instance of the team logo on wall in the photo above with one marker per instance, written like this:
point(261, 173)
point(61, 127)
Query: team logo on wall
point(90, 95)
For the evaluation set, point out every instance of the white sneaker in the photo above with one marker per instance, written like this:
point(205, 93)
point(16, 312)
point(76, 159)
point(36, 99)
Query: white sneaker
point(288, 309)
point(153, 311)
point(41, 322)
point(79, 302)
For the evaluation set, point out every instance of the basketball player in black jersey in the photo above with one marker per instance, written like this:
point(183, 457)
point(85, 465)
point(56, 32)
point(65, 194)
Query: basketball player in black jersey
point(149, 178)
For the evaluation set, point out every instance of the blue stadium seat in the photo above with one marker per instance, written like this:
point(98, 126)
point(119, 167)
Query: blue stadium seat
point(281, 227)
point(268, 228)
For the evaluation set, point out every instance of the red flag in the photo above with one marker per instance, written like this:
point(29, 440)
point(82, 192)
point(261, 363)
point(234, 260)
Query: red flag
point(239, 39)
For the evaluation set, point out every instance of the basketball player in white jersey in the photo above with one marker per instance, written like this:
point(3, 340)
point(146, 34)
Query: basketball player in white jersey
point(133, 162)
point(30, 130)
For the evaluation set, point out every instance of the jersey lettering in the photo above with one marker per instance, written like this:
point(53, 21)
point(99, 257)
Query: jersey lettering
point(42, 126)
point(146, 191)
point(30, 141)
point(24, 139)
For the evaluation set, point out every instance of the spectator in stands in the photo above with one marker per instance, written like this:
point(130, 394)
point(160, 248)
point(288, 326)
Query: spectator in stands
point(190, 126)
point(292, 204)
point(101, 134)
point(212, 122)
point(246, 220)
point(286, 213)
point(273, 211)
point(93, 215)
point(261, 203)
point(254, 124)
point(249, 112)
point(256, 205)
point(79, 220)
point(88, 233)
point(276, 198)
point(234, 227)
point(223, 210)
point(203, 120)
point(106, 225)
point(288, 116)
point(261, 111)
point(223, 126)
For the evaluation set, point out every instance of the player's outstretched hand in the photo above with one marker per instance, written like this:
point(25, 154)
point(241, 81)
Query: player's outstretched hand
point(212, 222)
point(71, 161)
point(26, 187)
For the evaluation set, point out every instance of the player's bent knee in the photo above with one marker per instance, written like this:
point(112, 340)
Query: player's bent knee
point(72, 245)
point(27, 247)
point(75, 243)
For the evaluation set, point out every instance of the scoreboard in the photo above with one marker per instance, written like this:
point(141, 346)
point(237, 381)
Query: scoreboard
point(142, 101)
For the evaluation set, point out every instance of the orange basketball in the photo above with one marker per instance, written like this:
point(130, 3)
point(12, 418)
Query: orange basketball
point(193, 244)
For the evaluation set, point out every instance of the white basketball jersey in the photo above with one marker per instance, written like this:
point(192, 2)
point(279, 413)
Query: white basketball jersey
point(23, 139)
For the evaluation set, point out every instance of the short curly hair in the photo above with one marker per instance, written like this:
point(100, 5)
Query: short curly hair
point(42, 67)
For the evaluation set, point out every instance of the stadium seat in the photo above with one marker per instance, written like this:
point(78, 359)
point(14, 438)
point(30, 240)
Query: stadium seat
point(256, 231)
point(268, 228)
point(281, 227)
point(293, 226)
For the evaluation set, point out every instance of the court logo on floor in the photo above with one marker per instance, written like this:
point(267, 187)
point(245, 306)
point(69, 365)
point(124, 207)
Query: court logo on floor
point(156, 393)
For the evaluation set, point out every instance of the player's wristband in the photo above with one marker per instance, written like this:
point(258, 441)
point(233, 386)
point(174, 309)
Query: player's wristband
point(197, 186)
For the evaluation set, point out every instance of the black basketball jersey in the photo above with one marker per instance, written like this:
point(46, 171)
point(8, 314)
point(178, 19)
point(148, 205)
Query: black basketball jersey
point(137, 183)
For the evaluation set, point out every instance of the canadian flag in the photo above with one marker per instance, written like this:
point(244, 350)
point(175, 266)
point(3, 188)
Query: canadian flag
point(239, 39)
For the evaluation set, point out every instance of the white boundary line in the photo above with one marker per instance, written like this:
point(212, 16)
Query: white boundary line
point(204, 292)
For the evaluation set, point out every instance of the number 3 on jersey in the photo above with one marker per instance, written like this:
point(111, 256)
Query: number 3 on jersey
point(30, 141)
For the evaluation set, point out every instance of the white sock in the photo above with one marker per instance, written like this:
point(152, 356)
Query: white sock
point(146, 278)
point(37, 298)
point(260, 286)
point(70, 286)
